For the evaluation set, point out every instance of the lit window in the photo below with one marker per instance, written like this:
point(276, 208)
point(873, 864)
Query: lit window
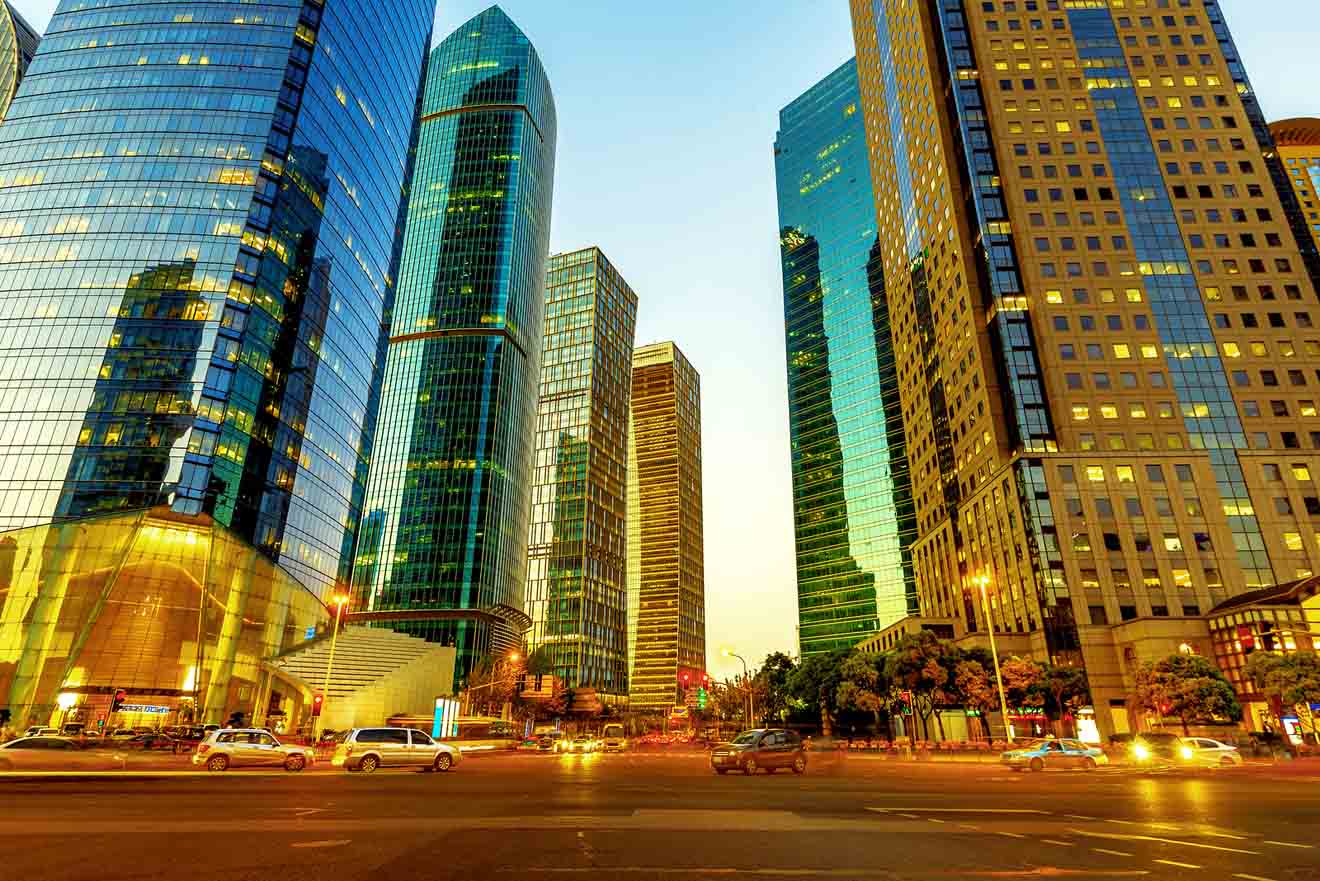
point(1293, 541)
point(1095, 473)
point(1301, 472)
point(1109, 411)
point(1122, 351)
point(1232, 350)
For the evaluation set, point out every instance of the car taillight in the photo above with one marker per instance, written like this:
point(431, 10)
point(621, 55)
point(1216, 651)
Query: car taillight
point(348, 749)
point(202, 749)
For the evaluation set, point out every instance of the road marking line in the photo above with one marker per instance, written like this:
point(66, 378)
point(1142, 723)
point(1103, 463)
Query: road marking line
point(337, 842)
point(1178, 864)
point(1059, 843)
point(1245, 877)
point(1122, 822)
point(910, 816)
point(1225, 835)
point(1290, 844)
point(963, 810)
point(935, 820)
point(1078, 817)
point(1165, 841)
point(967, 826)
point(1112, 853)
point(1010, 834)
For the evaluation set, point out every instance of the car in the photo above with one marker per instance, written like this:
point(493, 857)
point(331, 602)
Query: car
point(583, 743)
point(41, 731)
point(155, 740)
point(49, 753)
point(366, 749)
point(1207, 753)
point(1155, 747)
point(760, 748)
point(1038, 755)
point(249, 747)
point(613, 739)
point(547, 743)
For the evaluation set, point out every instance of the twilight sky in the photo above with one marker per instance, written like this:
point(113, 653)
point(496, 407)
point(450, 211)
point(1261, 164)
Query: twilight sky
point(667, 120)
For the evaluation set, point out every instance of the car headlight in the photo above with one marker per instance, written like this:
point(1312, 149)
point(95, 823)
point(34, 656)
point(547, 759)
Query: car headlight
point(1141, 751)
point(1187, 752)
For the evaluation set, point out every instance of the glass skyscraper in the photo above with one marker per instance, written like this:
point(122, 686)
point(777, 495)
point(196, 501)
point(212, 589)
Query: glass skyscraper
point(576, 572)
point(852, 500)
point(18, 43)
point(667, 581)
point(443, 551)
point(198, 206)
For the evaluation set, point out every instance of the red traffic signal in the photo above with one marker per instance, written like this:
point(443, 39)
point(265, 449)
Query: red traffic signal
point(317, 702)
point(118, 700)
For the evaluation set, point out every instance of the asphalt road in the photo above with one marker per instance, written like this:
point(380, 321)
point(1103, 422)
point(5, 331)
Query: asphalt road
point(649, 817)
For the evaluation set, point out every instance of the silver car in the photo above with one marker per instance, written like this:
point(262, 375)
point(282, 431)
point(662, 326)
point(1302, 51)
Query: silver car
point(249, 747)
point(1208, 753)
point(366, 749)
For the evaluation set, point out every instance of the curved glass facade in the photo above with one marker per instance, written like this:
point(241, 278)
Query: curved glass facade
point(18, 43)
point(174, 611)
point(444, 548)
point(197, 218)
point(852, 501)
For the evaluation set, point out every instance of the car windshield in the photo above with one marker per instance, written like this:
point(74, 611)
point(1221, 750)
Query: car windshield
point(747, 737)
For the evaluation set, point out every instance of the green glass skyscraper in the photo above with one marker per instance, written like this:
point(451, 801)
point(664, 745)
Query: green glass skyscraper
point(852, 503)
point(443, 550)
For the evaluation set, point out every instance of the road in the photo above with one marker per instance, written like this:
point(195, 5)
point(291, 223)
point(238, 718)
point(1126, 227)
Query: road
point(662, 818)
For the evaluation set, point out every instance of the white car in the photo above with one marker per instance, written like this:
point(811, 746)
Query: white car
point(1207, 753)
point(238, 747)
point(366, 749)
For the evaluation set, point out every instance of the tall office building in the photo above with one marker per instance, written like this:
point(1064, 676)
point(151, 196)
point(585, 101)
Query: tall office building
point(667, 586)
point(197, 218)
point(852, 500)
point(1109, 359)
point(443, 552)
point(576, 549)
point(1297, 145)
point(18, 43)
point(196, 264)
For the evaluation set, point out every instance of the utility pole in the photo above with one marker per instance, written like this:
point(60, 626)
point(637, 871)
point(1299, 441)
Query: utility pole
point(984, 582)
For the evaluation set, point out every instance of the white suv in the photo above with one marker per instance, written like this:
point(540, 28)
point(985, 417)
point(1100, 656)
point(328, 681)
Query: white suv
point(236, 747)
point(366, 749)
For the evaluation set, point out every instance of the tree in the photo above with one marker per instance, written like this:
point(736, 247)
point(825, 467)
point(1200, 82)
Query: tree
point(815, 683)
point(920, 664)
point(1188, 687)
point(1065, 688)
point(1292, 679)
point(973, 685)
point(491, 684)
point(865, 687)
point(1023, 682)
point(772, 680)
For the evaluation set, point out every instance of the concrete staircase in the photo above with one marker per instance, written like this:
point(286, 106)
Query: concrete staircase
point(377, 674)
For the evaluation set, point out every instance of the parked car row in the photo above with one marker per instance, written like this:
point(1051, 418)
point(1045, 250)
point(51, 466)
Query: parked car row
point(1152, 749)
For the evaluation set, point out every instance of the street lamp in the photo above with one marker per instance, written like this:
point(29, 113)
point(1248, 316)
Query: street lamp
point(749, 702)
point(340, 600)
point(984, 582)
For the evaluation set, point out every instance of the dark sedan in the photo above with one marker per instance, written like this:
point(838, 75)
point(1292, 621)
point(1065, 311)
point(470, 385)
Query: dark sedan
point(761, 748)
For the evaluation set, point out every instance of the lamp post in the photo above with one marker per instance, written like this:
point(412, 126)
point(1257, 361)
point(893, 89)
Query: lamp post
point(749, 703)
point(984, 582)
point(340, 600)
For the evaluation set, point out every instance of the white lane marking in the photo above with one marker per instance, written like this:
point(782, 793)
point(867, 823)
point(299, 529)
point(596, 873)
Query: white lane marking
point(936, 820)
point(1175, 841)
point(910, 816)
point(1010, 834)
point(962, 810)
point(1225, 835)
point(1122, 822)
point(336, 842)
point(1245, 877)
point(968, 826)
point(1290, 844)
point(1078, 817)
point(1059, 843)
point(1178, 864)
point(1112, 853)
point(307, 812)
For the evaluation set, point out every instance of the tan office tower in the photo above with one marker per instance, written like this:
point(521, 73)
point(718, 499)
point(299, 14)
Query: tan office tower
point(576, 583)
point(1104, 326)
point(1298, 144)
point(667, 582)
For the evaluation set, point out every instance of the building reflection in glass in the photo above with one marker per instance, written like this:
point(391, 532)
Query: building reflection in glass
point(853, 512)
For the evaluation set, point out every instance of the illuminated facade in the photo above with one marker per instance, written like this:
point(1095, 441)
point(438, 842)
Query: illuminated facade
point(197, 258)
point(443, 551)
point(576, 572)
point(852, 501)
point(18, 43)
point(1297, 146)
point(1108, 365)
point(667, 586)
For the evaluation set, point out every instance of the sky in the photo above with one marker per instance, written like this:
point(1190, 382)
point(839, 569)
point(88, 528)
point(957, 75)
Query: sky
point(667, 120)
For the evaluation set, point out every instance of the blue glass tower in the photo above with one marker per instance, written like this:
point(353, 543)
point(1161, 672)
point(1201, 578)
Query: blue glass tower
point(852, 502)
point(198, 204)
point(445, 552)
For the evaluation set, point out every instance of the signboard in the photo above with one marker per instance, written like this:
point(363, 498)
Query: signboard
point(446, 718)
point(144, 708)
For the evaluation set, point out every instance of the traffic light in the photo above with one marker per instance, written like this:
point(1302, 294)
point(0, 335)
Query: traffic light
point(118, 700)
point(701, 698)
point(317, 703)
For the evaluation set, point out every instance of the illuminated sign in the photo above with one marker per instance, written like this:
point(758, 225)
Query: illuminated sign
point(446, 718)
point(144, 708)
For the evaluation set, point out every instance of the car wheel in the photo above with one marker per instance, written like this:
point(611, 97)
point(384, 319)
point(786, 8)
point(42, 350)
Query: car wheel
point(1038, 764)
point(1088, 764)
point(800, 765)
point(369, 764)
point(750, 767)
point(217, 763)
point(443, 762)
point(295, 763)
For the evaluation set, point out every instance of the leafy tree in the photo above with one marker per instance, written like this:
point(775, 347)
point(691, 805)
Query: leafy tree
point(973, 685)
point(1292, 678)
point(1066, 688)
point(865, 687)
point(1024, 682)
point(920, 664)
point(492, 683)
point(815, 683)
point(773, 686)
point(1188, 687)
point(540, 662)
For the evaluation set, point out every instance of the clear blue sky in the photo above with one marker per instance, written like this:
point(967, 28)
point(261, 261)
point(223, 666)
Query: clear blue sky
point(667, 117)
